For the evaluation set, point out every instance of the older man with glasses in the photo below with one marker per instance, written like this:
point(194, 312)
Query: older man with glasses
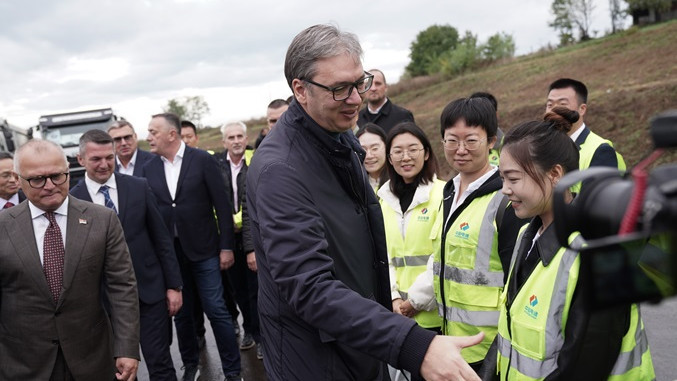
point(129, 159)
point(324, 292)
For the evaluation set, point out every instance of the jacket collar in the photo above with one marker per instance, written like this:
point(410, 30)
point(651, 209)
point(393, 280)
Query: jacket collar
point(421, 195)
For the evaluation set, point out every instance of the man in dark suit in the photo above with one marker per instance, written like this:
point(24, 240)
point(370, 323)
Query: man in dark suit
point(52, 322)
point(10, 193)
point(379, 109)
point(129, 159)
point(233, 163)
point(189, 189)
point(150, 245)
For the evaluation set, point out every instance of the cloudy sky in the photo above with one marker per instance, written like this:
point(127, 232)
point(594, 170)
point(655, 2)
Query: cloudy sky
point(135, 55)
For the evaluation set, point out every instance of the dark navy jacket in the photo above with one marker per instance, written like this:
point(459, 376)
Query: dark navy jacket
point(324, 298)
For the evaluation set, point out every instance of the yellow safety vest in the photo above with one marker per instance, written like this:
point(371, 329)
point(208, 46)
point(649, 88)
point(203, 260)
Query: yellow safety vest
point(237, 217)
point(409, 253)
point(586, 152)
point(529, 348)
point(473, 274)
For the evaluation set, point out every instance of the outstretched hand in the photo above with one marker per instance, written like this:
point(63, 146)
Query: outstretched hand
point(443, 360)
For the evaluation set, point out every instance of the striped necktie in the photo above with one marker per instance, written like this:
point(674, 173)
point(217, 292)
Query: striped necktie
point(108, 202)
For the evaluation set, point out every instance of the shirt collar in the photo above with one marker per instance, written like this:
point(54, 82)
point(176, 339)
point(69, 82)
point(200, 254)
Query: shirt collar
point(131, 161)
point(578, 132)
point(475, 185)
point(91, 184)
point(179, 153)
point(37, 212)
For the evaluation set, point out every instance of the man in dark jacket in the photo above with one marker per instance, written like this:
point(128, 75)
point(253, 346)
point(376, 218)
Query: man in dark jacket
point(242, 276)
point(324, 299)
point(379, 109)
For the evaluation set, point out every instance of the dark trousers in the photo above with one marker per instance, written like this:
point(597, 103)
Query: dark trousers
point(245, 284)
point(155, 322)
point(205, 277)
point(60, 372)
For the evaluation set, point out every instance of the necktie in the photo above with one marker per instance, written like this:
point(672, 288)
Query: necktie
point(8, 205)
point(108, 202)
point(53, 253)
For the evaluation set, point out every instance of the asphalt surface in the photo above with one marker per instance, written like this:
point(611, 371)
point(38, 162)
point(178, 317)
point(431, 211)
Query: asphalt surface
point(660, 322)
point(210, 364)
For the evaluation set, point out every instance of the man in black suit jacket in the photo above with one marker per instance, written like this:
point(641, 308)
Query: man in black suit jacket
point(10, 193)
point(189, 189)
point(129, 159)
point(379, 109)
point(150, 245)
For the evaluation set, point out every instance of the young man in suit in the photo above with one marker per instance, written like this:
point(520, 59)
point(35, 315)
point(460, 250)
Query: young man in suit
point(10, 193)
point(129, 158)
point(189, 189)
point(57, 253)
point(150, 245)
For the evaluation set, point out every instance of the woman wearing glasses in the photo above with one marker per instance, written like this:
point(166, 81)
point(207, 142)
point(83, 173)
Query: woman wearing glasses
point(465, 275)
point(373, 140)
point(410, 201)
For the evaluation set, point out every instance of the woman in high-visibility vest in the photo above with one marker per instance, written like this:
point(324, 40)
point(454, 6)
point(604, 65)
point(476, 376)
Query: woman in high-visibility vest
point(545, 330)
point(475, 235)
point(373, 140)
point(410, 201)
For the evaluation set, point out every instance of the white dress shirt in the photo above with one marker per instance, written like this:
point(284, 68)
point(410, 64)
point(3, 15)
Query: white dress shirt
point(129, 169)
point(14, 200)
point(578, 132)
point(173, 169)
point(97, 197)
point(41, 223)
point(234, 171)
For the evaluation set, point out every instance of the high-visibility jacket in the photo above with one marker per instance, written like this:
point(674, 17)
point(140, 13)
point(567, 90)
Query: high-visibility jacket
point(587, 150)
point(408, 238)
point(467, 270)
point(531, 333)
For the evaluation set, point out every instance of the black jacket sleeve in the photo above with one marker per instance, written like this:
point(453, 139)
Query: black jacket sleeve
point(604, 156)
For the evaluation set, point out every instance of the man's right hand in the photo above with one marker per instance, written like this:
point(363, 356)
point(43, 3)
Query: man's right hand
point(443, 360)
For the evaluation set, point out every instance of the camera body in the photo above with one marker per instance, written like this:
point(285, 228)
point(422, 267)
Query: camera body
point(642, 264)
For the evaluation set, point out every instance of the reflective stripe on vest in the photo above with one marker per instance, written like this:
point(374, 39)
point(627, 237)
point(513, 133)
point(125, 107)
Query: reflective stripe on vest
point(543, 359)
point(473, 275)
point(634, 351)
point(409, 254)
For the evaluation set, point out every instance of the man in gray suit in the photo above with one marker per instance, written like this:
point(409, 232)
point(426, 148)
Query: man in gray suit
point(52, 322)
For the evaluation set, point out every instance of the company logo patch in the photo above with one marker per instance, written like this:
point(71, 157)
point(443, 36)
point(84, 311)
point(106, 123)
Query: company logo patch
point(530, 309)
point(462, 233)
point(424, 211)
point(533, 300)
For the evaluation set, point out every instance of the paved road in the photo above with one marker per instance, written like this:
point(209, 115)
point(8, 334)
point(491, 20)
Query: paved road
point(210, 365)
point(660, 322)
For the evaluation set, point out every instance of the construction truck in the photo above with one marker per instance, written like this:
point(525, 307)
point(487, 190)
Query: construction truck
point(12, 137)
point(65, 129)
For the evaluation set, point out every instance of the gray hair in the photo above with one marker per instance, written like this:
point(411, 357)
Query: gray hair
point(315, 43)
point(238, 123)
point(37, 147)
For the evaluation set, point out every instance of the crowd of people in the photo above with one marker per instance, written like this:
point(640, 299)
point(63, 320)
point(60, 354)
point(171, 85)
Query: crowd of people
point(333, 237)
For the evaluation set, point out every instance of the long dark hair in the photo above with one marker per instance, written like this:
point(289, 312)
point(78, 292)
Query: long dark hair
point(376, 130)
point(429, 166)
point(538, 146)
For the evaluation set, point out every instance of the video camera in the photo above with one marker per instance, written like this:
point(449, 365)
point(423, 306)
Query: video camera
point(629, 223)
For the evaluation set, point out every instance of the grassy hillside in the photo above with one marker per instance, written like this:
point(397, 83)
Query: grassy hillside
point(631, 76)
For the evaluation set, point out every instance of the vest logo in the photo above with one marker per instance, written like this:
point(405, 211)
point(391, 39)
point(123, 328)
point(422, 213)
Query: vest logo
point(530, 309)
point(462, 233)
point(422, 217)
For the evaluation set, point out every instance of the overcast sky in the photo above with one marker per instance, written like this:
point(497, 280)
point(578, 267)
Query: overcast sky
point(135, 55)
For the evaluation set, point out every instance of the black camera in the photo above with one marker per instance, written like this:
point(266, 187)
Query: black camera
point(629, 223)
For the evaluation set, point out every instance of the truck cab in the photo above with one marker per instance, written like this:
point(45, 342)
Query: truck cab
point(65, 129)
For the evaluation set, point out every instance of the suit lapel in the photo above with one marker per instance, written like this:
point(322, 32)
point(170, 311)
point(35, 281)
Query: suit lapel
point(22, 236)
point(155, 172)
point(123, 196)
point(77, 230)
point(185, 163)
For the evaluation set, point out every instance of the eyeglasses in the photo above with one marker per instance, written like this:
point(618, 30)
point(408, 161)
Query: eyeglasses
point(470, 144)
point(374, 149)
point(398, 155)
point(343, 92)
point(39, 181)
point(121, 138)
